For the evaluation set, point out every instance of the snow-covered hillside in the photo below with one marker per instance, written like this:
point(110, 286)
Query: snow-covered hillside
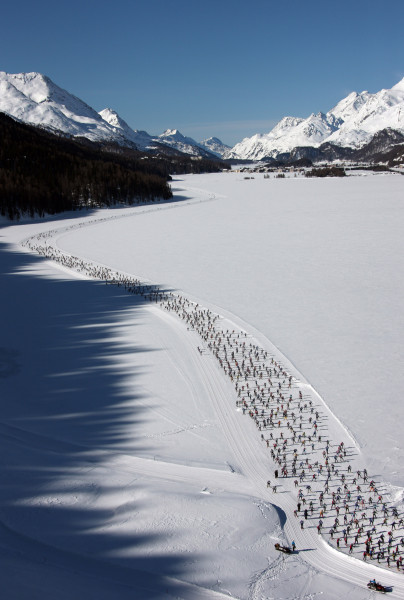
point(351, 123)
point(141, 139)
point(33, 98)
point(175, 139)
point(216, 146)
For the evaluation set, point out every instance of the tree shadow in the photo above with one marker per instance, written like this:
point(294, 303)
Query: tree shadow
point(64, 409)
point(89, 211)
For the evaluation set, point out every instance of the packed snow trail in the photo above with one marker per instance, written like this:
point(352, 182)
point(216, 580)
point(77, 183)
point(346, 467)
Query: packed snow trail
point(297, 432)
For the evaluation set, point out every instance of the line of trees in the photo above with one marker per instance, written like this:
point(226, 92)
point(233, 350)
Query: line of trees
point(45, 173)
point(326, 172)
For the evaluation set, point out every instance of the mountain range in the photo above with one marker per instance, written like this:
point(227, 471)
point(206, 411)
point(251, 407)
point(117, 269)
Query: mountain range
point(35, 99)
point(352, 124)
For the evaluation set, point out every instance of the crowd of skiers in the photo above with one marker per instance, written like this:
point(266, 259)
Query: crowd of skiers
point(342, 502)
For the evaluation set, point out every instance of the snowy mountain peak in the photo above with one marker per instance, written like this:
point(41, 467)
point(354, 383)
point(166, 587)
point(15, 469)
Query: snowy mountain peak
point(216, 146)
point(351, 123)
point(35, 85)
point(33, 98)
point(141, 139)
point(214, 140)
point(111, 117)
point(174, 134)
point(175, 139)
point(349, 105)
point(286, 123)
point(399, 87)
point(39, 89)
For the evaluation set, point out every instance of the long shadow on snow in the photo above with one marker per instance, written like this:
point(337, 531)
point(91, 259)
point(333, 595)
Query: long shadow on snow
point(281, 515)
point(63, 410)
point(82, 212)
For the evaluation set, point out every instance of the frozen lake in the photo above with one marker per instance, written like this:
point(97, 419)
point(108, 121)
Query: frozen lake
point(315, 265)
point(128, 471)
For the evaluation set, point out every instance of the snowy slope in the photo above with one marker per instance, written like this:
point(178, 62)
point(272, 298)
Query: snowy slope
point(289, 133)
point(142, 139)
point(214, 145)
point(175, 139)
point(351, 123)
point(369, 114)
point(35, 99)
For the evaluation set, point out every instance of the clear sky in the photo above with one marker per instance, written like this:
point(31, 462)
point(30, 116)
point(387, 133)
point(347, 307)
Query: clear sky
point(225, 68)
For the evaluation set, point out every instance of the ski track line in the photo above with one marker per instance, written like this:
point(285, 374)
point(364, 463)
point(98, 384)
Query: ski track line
point(222, 479)
point(324, 557)
point(175, 357)
point(245, 447)
point(137, 210)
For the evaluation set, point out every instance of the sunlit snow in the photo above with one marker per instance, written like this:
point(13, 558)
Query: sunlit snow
point(127, 469)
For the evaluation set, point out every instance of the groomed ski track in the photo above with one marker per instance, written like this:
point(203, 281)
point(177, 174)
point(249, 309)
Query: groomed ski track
point(254, 463)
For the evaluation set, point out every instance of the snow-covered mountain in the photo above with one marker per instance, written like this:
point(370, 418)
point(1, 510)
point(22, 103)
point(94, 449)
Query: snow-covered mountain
point(175, 139)
point(141, 139)
point(289, 133)
point(351, 123)
point(214, 145)
point(33, 98)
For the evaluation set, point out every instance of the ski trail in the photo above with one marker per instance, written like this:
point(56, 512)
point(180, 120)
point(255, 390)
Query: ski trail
point(270, 573)
point(224, 337)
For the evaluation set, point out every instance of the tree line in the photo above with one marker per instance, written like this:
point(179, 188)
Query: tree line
point(45, 173)
point(326, 172)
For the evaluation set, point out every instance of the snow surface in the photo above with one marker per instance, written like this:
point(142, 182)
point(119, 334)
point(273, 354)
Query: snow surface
point(127, 469)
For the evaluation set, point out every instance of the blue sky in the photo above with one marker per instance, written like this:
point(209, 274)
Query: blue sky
point(214, 67)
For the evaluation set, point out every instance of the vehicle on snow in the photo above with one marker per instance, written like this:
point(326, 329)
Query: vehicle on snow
point(284, 549)
point(375, 585)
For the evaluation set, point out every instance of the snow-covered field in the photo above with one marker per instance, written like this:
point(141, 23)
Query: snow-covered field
point(127, 469)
